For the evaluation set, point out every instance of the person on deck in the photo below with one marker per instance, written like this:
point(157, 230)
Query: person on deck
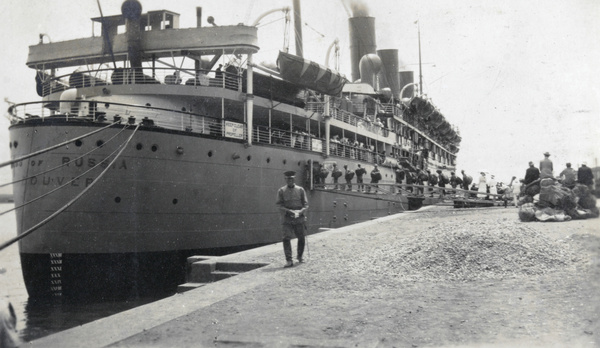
point(292, 203)
point(455, 181)
point(467, 181)
point(359, 178)
point(482, 188)
point(375, 177)
point(348, 176)
point(493, 187)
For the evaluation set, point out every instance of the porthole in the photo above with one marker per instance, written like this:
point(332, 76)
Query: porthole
point(139, 146)
point(154, 148)
point(148, 104)
point(210, 153)
point(175, 201)
point(299, 163)
point(268, 159)
point(15, 144)
point(118, 199)
point(78, 142)
point(284, 161)
point(249, 157)
point(183, 109)
point(99, 143)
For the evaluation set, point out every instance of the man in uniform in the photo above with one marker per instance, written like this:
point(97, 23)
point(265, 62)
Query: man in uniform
point(292, 203)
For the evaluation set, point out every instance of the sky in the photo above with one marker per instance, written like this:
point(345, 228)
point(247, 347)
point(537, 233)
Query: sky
point(518, 78)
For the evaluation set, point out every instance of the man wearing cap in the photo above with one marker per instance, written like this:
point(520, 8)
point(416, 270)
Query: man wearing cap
point(546, 169)
point(585, 176)
point(531, 174)
point(292, 203)
point(568, 176)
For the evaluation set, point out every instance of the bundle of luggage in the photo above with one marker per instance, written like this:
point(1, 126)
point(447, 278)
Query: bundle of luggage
point(548, 200)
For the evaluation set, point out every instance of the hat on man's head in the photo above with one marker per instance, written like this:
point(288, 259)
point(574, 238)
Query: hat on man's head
point(584, 163)
point(290, 174)
point(546, 153)
point(452, 173)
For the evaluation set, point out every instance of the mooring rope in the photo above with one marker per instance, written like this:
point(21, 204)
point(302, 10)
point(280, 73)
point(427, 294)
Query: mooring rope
point(63, 185)
point(56, 213)
point(3, 164)
point(66, 163)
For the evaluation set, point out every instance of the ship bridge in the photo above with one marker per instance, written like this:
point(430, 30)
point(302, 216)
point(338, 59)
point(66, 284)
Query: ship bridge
point(160, 37)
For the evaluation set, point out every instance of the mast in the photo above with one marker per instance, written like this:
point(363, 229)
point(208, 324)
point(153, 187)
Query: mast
point(420, 66)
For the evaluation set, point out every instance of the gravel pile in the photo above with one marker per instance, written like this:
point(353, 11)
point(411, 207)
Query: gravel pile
point(465, 251)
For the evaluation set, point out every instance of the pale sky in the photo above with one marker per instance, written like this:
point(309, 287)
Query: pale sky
point(517, 78)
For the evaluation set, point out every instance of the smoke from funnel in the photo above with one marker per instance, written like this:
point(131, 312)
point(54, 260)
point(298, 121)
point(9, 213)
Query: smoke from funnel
point(359, 9)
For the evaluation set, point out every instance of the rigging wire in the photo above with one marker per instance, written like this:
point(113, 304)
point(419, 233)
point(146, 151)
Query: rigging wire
point(56, 213)
point(65, 163)
point(61, 186)
point(55, 146)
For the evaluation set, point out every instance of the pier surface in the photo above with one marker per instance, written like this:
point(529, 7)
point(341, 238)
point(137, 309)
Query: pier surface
point(362, 286)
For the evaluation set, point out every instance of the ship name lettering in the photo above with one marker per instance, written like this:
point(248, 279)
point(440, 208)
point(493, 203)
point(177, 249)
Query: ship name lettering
point(91, 162)
point(38, 163)
point(33, 180)
point(16, 164)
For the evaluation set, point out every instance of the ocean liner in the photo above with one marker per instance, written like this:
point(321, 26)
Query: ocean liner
point(162, 142)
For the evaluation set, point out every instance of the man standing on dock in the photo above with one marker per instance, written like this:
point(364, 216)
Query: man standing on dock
point(292, 203)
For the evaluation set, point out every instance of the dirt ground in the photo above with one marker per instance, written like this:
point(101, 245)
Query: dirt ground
point(326, 302)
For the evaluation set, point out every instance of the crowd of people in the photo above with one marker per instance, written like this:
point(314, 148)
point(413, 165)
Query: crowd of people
point(546, 197)
point(433, 183)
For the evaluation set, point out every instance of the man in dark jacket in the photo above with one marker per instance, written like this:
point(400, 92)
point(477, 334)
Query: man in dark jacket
point(531, 174)
point(585, 176)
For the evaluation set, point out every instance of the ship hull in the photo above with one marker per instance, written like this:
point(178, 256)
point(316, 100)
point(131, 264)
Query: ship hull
point(168, 196)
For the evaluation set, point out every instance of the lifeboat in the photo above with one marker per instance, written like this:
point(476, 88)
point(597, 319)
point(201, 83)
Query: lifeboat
point(309, 74)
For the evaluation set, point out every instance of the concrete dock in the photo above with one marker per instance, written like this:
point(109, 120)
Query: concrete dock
point(325, 302)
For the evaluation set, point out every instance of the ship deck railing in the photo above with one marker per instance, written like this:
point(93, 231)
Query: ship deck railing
point(360, 122)
point(86, 110)
point(446, 193)
point(131, 76)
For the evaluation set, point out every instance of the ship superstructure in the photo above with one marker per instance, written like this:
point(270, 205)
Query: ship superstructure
point(129, 163)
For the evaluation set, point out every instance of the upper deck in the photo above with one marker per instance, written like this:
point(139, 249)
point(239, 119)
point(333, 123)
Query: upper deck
point(159, 37)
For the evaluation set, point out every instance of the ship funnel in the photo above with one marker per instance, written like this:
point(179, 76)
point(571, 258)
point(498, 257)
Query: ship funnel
point(388, 77)
point(370, 66)
point(362, 42)
point(132, 12)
